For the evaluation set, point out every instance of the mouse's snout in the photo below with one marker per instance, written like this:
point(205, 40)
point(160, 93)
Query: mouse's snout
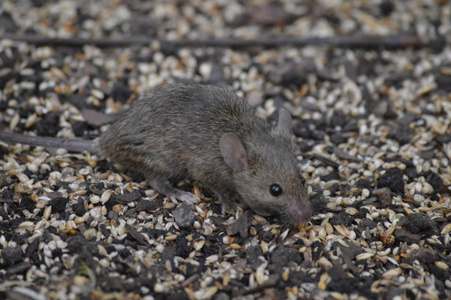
point(299, 215)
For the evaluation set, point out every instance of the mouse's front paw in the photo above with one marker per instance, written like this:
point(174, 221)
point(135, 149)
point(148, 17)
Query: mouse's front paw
point(186, 197)
point(228, 206)
point(173, 193)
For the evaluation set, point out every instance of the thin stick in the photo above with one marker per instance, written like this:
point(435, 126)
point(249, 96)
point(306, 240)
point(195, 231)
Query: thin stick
point(400, 40)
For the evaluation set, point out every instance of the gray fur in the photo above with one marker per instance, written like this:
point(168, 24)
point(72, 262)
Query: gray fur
point(175, 133)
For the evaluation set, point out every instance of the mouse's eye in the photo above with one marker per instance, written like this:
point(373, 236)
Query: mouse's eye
point(303, 180)
point(275, 190)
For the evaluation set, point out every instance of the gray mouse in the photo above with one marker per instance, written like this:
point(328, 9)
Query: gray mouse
point(209, 135)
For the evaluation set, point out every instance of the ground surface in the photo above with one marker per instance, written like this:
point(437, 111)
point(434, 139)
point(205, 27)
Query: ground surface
point(372, 126)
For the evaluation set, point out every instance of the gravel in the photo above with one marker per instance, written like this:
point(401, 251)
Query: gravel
point(372, 127)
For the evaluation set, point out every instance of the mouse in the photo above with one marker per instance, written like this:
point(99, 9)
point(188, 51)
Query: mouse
point(208, 135)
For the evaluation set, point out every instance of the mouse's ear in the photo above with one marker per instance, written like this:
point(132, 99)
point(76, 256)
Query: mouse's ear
point(233, 151)
point(284, 125)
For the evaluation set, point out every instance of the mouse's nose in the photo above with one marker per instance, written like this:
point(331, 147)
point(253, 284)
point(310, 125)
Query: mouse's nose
point(299, 215)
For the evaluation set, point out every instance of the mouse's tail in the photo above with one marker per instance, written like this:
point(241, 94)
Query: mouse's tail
point(69, 144)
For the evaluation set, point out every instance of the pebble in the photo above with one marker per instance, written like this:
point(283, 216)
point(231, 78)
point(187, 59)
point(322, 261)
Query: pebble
point(184, 216)
point(393, 180)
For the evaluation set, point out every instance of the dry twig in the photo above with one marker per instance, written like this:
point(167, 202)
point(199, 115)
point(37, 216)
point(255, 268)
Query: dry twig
point(400, 40)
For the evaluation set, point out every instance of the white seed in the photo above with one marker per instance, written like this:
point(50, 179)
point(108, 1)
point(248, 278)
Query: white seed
point(199, 245)
point(89, 233)
point(364, 256)
point(392, 273)
point(210, 292)
point(442, 265)
point(106, 196)
point(31, 120)
point(365, 193)
point(446, 229)
point(98, 94)
point(22, 177)
point(95, 199)
point(212, 258)
point(14, 122)
point(47, 212)
point(158, 288)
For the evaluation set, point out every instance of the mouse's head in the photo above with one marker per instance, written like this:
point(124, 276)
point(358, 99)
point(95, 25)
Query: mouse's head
point(266, 174)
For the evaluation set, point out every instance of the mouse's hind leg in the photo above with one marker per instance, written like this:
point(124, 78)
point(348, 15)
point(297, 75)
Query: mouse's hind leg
point(173, 193)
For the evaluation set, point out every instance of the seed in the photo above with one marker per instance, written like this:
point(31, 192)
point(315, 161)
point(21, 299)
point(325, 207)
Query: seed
point(235, 246)
point(212, 258)
point(442, 265)
point(364, 256)
point(98, 94)
point(80, 280)
point(170, 237)
point(196, 191)
point(260, 277)
point(95, 199)
point(341, 229)
point(106, 196)
point(199, 245)
point(323, 281)
point(392, 273)
point(158, 288)
point(446, 229)
point(119, 208)
point(47, 212)
point(89, 233)
point(22, 177)
point(211, 292)
point(14, 122)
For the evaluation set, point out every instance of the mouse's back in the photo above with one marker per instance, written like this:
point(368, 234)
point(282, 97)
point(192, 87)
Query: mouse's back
point(179, 122)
